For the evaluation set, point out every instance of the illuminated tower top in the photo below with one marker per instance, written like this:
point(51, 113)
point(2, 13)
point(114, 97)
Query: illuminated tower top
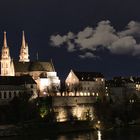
point(5, 50)
point(24, 54)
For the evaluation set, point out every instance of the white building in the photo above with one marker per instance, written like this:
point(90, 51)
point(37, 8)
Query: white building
point(85, 83)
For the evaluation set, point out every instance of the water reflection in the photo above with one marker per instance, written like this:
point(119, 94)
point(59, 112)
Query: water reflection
point(99, 135)
point(130, 133)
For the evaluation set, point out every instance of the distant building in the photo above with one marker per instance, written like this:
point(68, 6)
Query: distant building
point(85, 83)
point(11, 86)
point(121, 89)
point(24, 66)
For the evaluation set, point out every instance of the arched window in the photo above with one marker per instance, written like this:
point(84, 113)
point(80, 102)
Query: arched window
point(10, 95)
point(15, 94)
point(5, 96)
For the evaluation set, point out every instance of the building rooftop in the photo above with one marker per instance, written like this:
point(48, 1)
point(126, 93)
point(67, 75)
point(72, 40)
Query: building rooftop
point(33, 66)
point(88, 76)
point(16, 80)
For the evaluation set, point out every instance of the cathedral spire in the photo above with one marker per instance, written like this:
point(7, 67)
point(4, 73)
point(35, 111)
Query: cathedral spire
point(4, 40)
point(5, 59)
point(23, 40)
point(24, 54)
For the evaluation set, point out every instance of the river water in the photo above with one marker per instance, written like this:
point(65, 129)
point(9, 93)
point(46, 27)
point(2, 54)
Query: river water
point(130, 133)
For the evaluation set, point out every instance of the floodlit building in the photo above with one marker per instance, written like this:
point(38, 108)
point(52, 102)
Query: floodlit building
point(85, 83)
point(43, 73)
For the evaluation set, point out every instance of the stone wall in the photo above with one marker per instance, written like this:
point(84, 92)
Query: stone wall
point(62, 101)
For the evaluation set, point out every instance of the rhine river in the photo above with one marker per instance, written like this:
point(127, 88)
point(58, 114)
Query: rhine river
point(130, 133)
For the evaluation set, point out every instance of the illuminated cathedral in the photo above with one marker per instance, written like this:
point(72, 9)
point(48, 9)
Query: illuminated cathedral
point(43, 73)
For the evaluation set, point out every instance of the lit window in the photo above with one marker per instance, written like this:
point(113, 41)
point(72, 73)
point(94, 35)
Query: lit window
point(97, 94)
point(85, 94)
point(137, 85)
point(93, 94)
point(58, 94)
point(82, 78)
point(102, 79)
point(77, 93)
point(96, 79)
point(81, 93)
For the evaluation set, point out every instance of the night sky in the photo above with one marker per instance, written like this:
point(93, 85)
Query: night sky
point(84, 35)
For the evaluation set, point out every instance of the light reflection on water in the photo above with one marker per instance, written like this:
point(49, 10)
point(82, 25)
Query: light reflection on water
point(99, 135)
point(131, 133)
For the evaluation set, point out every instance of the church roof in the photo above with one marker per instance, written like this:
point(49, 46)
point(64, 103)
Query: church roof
point(88, 76)
point(16, 80)
point(33, 66)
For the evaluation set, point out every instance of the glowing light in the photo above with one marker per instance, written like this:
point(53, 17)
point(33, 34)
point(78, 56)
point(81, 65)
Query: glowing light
point(77, 94)
point(81, 93)
point(58, 94)
point(97, 94)
point(85, 94)
point(61, 117)
point(99, 135)
point(102, 80)
point(44, 93)
point(43, 112)
point(44, 82)
point(93, 93)
point(79, 112)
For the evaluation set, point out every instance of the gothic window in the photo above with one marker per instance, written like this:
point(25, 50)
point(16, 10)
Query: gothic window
point(5, 96)
point(15, 94)
point(10, 95)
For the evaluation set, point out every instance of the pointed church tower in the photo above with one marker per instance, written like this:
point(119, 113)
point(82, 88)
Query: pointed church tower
point(5, 59)
point(12, 71)
point(24, 54)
